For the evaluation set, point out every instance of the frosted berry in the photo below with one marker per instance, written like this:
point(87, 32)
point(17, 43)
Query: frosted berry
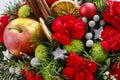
point(89, 35)
point(96, 18)
point(89, 43)
point(91, 24)
point(102, 22)
point(84, 19)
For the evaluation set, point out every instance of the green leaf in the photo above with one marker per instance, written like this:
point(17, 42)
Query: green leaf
point(105, 67)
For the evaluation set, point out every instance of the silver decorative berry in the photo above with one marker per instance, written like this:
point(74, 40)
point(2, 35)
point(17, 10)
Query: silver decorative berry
point(89, 43)
point(91, 24)
point(89, 35)
point(102, 22)
point(84, 19)
point(96, 18)
point(35, 62)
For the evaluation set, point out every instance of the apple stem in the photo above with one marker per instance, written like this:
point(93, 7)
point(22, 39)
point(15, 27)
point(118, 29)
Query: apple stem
point(19, 29)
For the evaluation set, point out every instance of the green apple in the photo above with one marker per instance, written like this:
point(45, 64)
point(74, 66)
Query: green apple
point(19, 33)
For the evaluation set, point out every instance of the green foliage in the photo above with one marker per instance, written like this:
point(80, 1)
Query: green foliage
point(49, 21)
point(12, 9)
point(101, 69)
point(51, 70)
point(2, 48)
point(76, 46)
point(98, 53)
point(4, 71)
point(104, 67)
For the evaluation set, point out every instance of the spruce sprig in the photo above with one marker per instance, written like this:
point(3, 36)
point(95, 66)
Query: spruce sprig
point(51, 70)
point(12, 8)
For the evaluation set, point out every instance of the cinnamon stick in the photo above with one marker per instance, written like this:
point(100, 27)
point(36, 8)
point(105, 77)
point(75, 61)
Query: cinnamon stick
point(39, 7)
point(32, 7)
point(46, 6)
point(42, 9)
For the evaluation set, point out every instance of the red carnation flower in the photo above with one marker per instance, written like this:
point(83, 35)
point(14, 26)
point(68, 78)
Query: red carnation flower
point(115, 70)
point(63, 37)
point(4, 20)
point(78, 29)
point(111, 38)
point(112, 16)
point(79, 68)
point(105, 45)
point(31, 75)
point(75, 28)
point(69, 72)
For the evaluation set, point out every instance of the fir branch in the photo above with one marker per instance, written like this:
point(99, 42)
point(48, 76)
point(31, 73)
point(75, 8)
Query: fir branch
point(50, 70)
point(104, 67)
point(12, 8)
point(2, 48)
point(49, 21)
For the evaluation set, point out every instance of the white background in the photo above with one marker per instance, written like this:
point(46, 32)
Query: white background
point(4, 3)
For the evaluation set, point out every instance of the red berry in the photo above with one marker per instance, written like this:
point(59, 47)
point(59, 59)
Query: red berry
point(88, 10)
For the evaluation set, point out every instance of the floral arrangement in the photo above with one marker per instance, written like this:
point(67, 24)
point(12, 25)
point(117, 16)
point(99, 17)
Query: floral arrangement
point(60, 40)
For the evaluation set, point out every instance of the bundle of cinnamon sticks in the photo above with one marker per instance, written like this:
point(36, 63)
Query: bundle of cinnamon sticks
point(39, 7)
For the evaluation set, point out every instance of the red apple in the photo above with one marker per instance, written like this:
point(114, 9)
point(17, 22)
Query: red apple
point(19, 33)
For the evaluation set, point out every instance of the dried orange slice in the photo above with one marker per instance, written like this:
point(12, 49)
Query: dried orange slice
point(63, 7)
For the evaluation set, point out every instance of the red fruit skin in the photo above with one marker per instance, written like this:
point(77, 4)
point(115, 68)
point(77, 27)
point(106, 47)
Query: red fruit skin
point(50, 2)
point(16, 41)
point(88, 10)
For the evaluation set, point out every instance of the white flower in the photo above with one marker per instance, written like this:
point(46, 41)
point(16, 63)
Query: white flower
point(7, 55)
point(59, 53)
point(107, 76)
point(112, 77)
point(12, 70)
point(98, 33)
